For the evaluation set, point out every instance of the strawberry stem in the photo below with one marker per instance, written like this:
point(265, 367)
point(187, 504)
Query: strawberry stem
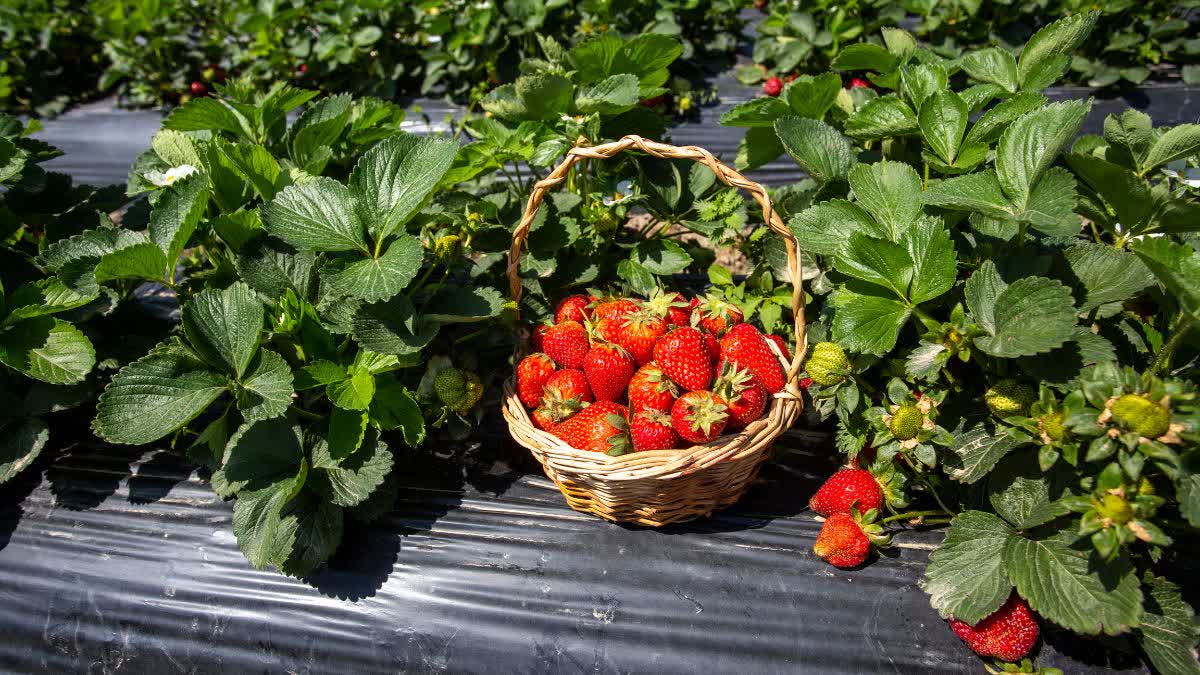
point(910, 515)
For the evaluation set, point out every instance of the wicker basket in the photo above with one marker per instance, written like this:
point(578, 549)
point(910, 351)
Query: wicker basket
point(660, 486)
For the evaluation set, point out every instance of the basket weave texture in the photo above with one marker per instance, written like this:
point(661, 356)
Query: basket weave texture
point(658, 487)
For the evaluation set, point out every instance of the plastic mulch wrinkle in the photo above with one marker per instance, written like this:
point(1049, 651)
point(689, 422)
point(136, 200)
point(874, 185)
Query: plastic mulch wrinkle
point(657, 487)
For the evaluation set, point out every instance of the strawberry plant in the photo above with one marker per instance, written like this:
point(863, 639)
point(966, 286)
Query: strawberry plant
point(1006, 333)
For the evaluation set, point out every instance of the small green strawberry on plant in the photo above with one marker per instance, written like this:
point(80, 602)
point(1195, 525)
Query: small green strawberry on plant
point(832, 385)
point(1118, 513)
point(1044, 423)
point(846, 539)
point(907, 426)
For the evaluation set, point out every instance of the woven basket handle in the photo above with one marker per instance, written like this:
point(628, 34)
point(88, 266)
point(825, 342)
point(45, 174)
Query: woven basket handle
point(666, 151)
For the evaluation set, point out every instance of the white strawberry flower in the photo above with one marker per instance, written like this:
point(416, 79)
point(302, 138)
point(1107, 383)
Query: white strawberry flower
point(171, 176)
point(624, 191)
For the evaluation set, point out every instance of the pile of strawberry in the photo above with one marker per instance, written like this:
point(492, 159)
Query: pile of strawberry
point(850, 501)
point(618, 374)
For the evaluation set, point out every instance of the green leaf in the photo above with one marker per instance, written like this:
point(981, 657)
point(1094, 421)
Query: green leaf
point(660, 256)
point(889, 191)
point(313, 527)
point(1129, 137)
point(46, 296)
point(1167, 631)
point(965, 578)
point(175, 148)
point(47, 349)
point(640, 279)
point(543, 96)
point(265, 391)
point(867, 322)
point(864, 56)
point(20, 443)
point(757, 112)
point(374, 279)
point(1175, 143)
point(1033, 315)
point(394, 179)
point(992, 123)
point(225, 326)
point(139, 261)
point(257, 165)
point(920, 81)
point(318, 374)
point(207, 114)
point(319, 127)
point(758, 147)
point(982, 290)
point(1107, 274)
point(976, 451)
point(934, 262)
point(257, 517)
point(394, 407)
point(316, 215)
point(1022, 494)
point(464, 305)
point(1047, 55)
point(155, 395)
point(273, 267)
point(994, 65)
point(593, 59)
point(351, 480)
point(1177, 267)
point(259, 455)
point(1063, 585)
point(1050, 208)
point(176, 215)
point(647, 56)
point(1128, 195)
point(812, 97)
point(825, 227)
point(354, 392)
point(975, 192)
point(943, 121)
point(880, 118)
point(346, 431)
point(877, 261)
point(1031, 144)
point(392, 327)
point(817, 147)
point(611, 96)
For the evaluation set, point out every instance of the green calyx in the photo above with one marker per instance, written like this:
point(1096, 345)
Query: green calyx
point(458, 389)
point(1052, 425)
point(1141, 415)
point(1008, 398)
point(827, 364)
point(906, 422)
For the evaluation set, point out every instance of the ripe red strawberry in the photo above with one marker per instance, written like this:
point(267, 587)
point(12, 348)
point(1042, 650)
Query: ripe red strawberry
point(567, 387)
point(573, 308)
point(637, 333)
point(566, 343)
point(772, 86)
point(539, 332)
point(198, 88)
point(712, 345)
point(592, 427)
point(650, 389)
point(846, 489)
point(745, 346)
point(1008, 634)
point(858, 83)
point(781, 343)
point(683, 357)
point(670, 305)
point(743, 392)
point(608, 368)
point(614, 307)
point(716, 315)
point(699, 416)
point(842, 543)
point(652, 430)
point(544, 419)
point(532, 373)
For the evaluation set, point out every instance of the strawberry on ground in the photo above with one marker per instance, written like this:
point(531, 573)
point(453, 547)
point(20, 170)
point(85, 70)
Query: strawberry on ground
point(699, 416)
point(650, 389)
point(745, 346)
point(592, 427)
point(1007, 634)
point(608, 368)
point(532, 373)
point(743, 392)
point(573, 308)
point(846, 489)
point(842, 543)
point(652, 430)
point(781, 343)
point(716, 315)
point(683, 357)
point(567, 343)
point(772, 86)
point(637, 333)
point(671, 306)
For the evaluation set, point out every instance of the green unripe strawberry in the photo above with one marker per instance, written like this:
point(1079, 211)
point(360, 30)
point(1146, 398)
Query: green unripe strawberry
point(458, 389)
point(1052, 425)
point(1009, 397)
point(906, 422)
point(824, 362)
point(447, 247)
point(1115, 509)
point(1142, 416)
